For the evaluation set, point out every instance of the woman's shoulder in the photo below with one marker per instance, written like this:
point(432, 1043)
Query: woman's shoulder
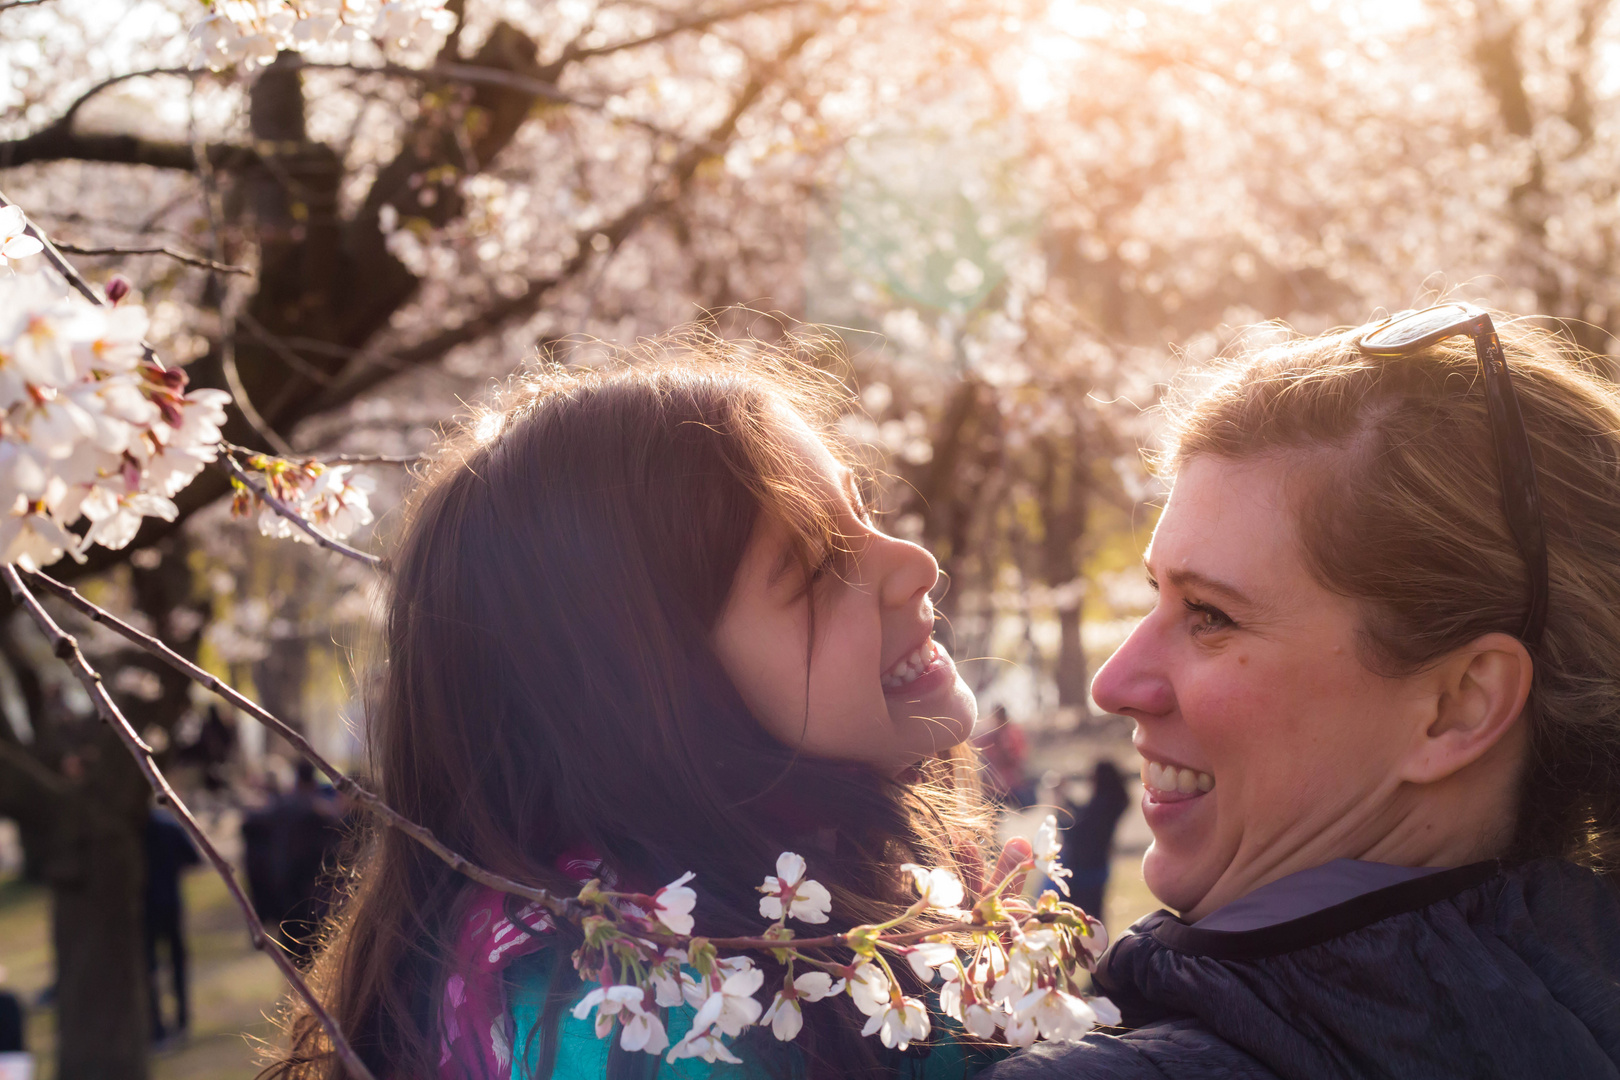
point(1357, 982)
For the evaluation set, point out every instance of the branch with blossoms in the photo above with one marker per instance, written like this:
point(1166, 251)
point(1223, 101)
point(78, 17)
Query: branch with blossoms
point(310, 501)
point(1006, 965)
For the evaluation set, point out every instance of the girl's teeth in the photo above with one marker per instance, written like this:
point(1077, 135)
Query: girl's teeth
point(909, 667)
point(1168, 779)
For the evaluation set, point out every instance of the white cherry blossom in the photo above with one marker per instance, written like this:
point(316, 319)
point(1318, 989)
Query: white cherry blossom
point(14, 242)
point(807, 900)
point(672, 905)
point(899, 1023)
point(1048, 845)
point(940, 889)
point(786, 1015)
point(644, 1032)
point(732, 1007)
point(927, 956)
point(609, 1002)
point(1055, 1014)
point(869, 987)
point(705, 1045)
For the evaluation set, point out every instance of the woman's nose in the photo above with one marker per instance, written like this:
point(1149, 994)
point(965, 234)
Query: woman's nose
point(1133, 682)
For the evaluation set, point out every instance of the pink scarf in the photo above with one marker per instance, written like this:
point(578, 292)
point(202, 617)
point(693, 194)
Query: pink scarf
point(475, 1038)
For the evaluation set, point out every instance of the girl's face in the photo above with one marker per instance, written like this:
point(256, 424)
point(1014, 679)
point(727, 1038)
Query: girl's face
point(873, 687)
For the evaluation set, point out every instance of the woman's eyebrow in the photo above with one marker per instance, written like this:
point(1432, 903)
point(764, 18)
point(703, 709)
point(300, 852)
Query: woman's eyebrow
point(1183, 579)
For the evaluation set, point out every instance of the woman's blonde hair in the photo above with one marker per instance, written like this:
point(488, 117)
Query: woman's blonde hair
point(1400, 509)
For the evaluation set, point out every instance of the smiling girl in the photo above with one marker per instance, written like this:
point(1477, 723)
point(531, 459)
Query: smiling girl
point(642, 622)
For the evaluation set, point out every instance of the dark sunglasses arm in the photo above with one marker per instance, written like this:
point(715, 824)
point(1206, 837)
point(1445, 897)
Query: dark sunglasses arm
point(1520, 495)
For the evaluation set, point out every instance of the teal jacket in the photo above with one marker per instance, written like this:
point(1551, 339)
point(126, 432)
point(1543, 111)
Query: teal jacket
point(582, 1056)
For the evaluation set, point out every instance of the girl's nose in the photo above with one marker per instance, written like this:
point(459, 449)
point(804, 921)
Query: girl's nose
point(1133, 682)
point(906, 570)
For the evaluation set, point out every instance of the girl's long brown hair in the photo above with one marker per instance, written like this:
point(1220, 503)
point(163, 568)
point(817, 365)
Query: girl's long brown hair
point(549, 682)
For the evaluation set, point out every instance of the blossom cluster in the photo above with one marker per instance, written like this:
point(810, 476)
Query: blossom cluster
point(1006, 965)
point(93, 431)
point(251, 32)
point(330, 497)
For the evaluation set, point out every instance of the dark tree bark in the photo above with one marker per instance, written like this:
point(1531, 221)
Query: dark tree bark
point(1065, 493)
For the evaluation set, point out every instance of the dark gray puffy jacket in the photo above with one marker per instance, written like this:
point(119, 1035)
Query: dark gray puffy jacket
point(1481, 971)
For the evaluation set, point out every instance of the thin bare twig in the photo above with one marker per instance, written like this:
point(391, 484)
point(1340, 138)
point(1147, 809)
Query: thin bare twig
point(65, 121)
point(298, 520)
point(284, 350)
point(343, 459)
point(372, 459)
point(180, 256)
point(21, 3)
point(66, 648)
point(344, 783)
point(243, 403)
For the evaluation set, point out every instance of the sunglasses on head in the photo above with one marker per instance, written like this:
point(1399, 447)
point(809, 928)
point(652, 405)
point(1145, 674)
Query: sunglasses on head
point(1408, 332)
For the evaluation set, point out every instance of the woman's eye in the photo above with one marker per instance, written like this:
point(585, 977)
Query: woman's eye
point(1209, 619)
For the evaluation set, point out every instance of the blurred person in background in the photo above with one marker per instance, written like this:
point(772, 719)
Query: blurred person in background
point(1378, 700)
point(168, 853)
point(310, 833)
point(16, 1063)
point(290, 847)
point(1088, 843)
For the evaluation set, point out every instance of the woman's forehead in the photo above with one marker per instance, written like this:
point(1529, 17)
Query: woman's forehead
point(1228, 522)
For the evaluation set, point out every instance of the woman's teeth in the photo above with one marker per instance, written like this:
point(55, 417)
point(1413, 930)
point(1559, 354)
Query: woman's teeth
point(910, 667)
point(1168, 779)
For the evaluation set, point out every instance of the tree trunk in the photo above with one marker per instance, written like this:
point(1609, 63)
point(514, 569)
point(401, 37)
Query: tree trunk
point(96, 875)
point(1071, 675)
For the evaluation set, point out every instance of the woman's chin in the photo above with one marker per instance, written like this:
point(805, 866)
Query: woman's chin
point(1177, 881)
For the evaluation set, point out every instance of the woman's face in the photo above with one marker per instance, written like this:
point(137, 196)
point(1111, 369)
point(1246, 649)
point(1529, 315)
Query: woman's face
point(1268, 746)
point(873, 687)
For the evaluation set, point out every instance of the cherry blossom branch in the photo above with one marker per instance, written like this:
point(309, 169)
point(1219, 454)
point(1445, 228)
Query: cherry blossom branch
point(342, 781)
point(66, 648)
point(179, 256)
point(56, 259)
point(241, 476)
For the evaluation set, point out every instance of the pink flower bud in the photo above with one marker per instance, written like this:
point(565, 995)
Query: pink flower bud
point(117, 289)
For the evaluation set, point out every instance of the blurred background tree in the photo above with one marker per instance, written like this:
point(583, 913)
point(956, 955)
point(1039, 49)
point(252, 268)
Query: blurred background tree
point(1024, 216)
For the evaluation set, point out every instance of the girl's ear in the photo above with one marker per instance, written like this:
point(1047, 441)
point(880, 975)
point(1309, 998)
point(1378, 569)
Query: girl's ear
point(1479, 693)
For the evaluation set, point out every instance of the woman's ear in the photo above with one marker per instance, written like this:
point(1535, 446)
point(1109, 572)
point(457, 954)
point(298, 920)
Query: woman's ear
point(1479, 693)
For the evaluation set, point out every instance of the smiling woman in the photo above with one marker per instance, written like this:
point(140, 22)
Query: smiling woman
point(1373, 803)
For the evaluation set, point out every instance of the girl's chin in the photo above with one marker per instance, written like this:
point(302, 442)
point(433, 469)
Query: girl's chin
point(945, 719)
